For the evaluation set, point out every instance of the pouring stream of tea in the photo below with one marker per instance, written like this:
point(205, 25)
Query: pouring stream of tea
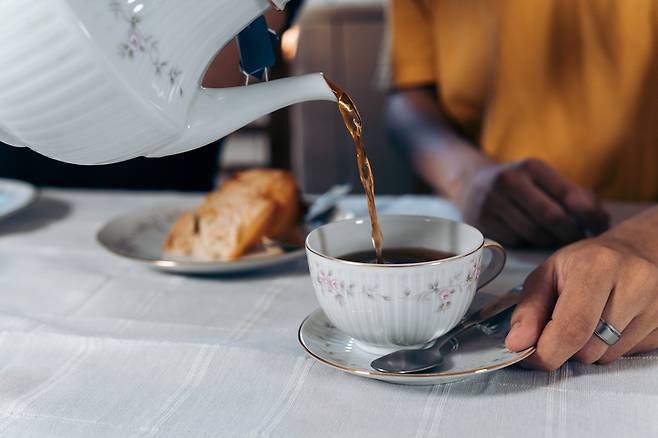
point(354, 126)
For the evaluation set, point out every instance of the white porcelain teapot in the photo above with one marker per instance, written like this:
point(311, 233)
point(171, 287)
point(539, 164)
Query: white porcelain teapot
point(101, 81)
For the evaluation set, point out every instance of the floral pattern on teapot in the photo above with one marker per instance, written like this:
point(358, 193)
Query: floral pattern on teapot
point(137, 42)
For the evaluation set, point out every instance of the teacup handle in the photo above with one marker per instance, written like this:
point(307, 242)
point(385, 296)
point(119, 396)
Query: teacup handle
point(496, 265)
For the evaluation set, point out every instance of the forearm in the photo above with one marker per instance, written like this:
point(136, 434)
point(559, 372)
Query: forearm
point(442, 157)
point(638, 234)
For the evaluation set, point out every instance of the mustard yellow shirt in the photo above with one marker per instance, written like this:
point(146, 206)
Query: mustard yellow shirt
point(572, 82)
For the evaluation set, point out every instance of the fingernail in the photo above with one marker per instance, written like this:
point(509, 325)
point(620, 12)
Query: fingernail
point(516, 325)
point(510, 335)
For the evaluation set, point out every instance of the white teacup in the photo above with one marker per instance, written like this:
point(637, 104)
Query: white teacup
point(387, 306)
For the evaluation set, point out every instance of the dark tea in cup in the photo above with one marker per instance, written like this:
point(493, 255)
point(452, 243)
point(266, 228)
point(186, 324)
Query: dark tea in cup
point(399, 256)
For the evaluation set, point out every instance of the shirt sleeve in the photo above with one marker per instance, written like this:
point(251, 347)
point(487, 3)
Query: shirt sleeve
point(412, 48)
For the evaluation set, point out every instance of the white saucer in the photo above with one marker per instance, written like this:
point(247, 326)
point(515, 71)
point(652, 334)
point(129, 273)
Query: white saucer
point(14, 196)
point(477, 351)
point(139, 236)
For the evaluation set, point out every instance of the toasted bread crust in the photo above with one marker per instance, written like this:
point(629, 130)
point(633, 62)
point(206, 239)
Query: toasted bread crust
point(250, 205)
point(180, 238)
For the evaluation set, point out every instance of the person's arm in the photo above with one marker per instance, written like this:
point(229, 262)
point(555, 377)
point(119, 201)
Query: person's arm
point(613, 277)
point(443, 158)
point(524, 202)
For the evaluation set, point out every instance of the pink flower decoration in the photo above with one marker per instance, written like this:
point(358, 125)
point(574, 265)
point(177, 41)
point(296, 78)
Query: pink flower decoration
point(328, 281)
point(134, 40)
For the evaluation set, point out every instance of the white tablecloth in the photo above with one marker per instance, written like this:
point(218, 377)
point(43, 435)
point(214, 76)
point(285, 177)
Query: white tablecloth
point(96, 346)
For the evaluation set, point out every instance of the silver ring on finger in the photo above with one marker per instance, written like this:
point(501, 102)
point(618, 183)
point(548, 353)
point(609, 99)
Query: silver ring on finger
point(607, 332)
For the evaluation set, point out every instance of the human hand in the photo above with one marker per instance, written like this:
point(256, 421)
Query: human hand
point(565, 297)
point(529, 203)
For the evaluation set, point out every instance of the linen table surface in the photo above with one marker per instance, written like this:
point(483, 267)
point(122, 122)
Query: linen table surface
point(93, 345)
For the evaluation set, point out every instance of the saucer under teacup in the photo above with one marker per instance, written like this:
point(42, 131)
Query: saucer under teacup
point(474, 352)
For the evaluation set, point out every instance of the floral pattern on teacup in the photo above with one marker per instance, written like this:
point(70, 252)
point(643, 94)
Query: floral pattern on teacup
point(326, 281)
point(339, 289)
point(474, 271)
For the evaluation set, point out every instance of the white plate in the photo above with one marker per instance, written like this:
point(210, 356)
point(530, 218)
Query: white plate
point(476, 351)
point(14, 196)
point(139, 236)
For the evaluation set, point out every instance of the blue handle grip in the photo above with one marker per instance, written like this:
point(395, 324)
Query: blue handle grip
point(257, 45)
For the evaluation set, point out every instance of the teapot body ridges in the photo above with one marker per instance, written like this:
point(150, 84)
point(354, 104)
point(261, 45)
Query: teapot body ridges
point(101, 81)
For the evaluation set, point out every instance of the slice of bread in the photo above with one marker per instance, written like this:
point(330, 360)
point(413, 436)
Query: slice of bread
point(250, 205)
point(228, 230)
point(277, 185)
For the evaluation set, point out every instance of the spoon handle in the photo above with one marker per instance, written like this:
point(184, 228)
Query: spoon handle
point(415, 360)
point(501, 304)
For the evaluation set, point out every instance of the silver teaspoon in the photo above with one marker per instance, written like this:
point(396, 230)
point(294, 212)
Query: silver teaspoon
point(320, 209)
point(417, 360)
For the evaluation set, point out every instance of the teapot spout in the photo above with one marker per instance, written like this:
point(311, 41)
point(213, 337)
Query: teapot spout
point(217, 112)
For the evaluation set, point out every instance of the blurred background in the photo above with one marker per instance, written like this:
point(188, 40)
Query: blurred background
point(342, 38)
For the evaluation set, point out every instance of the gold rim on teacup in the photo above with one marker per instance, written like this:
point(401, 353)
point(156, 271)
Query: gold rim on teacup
point(398, 265)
